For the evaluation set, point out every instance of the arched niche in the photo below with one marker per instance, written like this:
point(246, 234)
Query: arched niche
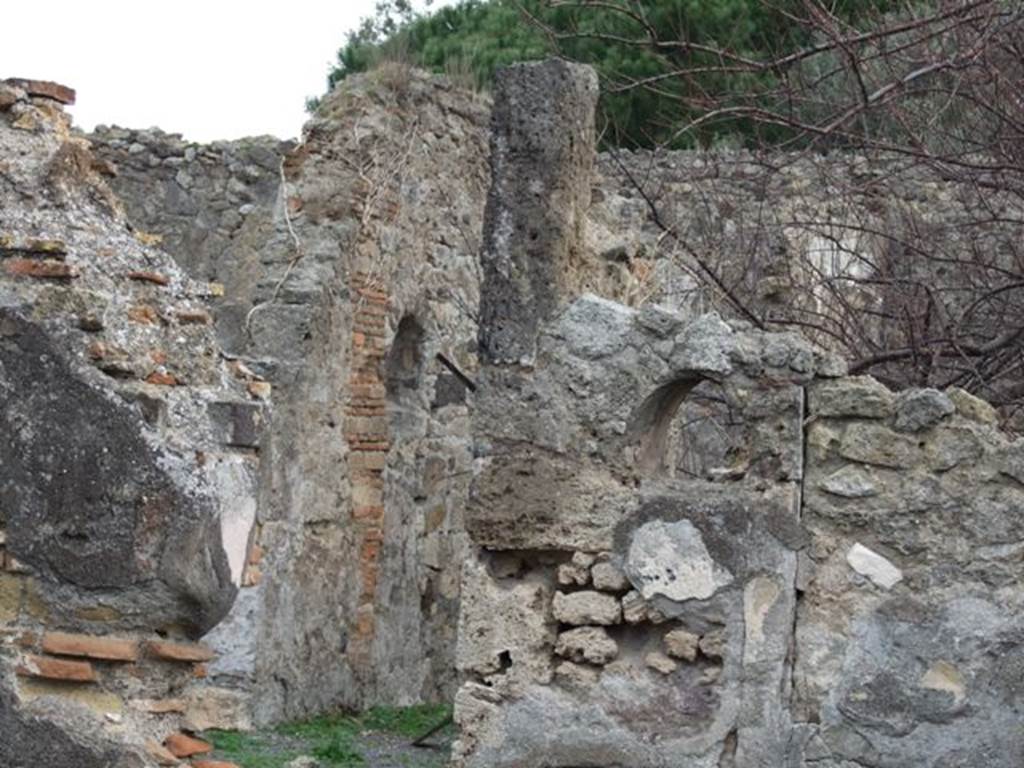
point(688, 428)
point(403, 366)
point(403, 379)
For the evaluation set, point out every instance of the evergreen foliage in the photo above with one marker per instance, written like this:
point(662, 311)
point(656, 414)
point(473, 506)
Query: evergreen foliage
point(471, 39)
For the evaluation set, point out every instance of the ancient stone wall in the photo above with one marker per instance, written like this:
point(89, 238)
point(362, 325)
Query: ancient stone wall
point(909, 637)
point(127, 469)
point(687, 542)
point(844, 597)
point(348, 266)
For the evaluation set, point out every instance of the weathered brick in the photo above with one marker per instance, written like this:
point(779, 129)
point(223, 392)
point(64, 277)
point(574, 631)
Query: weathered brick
point(194, 317)
point(57, 669)
point(365, 620)
point(162, 378)
point(47, 269)
point(149, 277)
point(185, 652)
point(91, 647)
point(367, 460)
point(370, 513)
point(182, 745)
point(44, 88)
point(367, 425)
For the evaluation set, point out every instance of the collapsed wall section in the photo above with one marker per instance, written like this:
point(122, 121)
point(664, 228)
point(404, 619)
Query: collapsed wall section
point(127, 469)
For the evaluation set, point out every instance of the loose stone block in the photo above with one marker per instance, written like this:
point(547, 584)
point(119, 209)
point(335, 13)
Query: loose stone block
point(608, 577)
point(581, 608)
point(681, 644)
point(873, 566)
point(570, 574)
point(591, 644)
point(634, 607)
point(659, 662)
point(45, 88)
point(856, 396)
point(919, 409)
point(850, 482)
point(874, 444)
point(971, 407)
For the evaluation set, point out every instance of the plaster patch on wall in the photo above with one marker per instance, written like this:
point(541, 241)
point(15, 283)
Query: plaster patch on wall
point(238, 514)
point(670, 559)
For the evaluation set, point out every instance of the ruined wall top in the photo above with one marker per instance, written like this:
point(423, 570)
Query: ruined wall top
point(542, 153)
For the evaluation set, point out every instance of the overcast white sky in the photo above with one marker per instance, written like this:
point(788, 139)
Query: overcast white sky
point(218, 69)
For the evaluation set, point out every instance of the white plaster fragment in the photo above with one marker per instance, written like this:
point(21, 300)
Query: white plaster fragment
point(873, 566)
point(670, 559)
point(760, 595)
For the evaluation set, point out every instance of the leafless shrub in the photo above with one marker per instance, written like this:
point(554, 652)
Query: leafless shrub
point(907, 251)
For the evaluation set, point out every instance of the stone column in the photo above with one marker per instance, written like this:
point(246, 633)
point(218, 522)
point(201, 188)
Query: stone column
point(542, 154)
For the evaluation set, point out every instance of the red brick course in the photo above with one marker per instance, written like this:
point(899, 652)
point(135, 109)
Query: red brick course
point(87, 646)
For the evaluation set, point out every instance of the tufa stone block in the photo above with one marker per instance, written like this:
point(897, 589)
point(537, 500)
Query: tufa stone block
point(582, 608)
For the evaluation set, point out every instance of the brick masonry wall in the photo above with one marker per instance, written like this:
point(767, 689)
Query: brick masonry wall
point(367, 434)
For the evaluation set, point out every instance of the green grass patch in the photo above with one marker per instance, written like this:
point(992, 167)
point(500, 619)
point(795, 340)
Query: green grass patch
point(324, 726)
point(405, 721)
point(332, 739)
point(250, 750)
point(338, 749)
